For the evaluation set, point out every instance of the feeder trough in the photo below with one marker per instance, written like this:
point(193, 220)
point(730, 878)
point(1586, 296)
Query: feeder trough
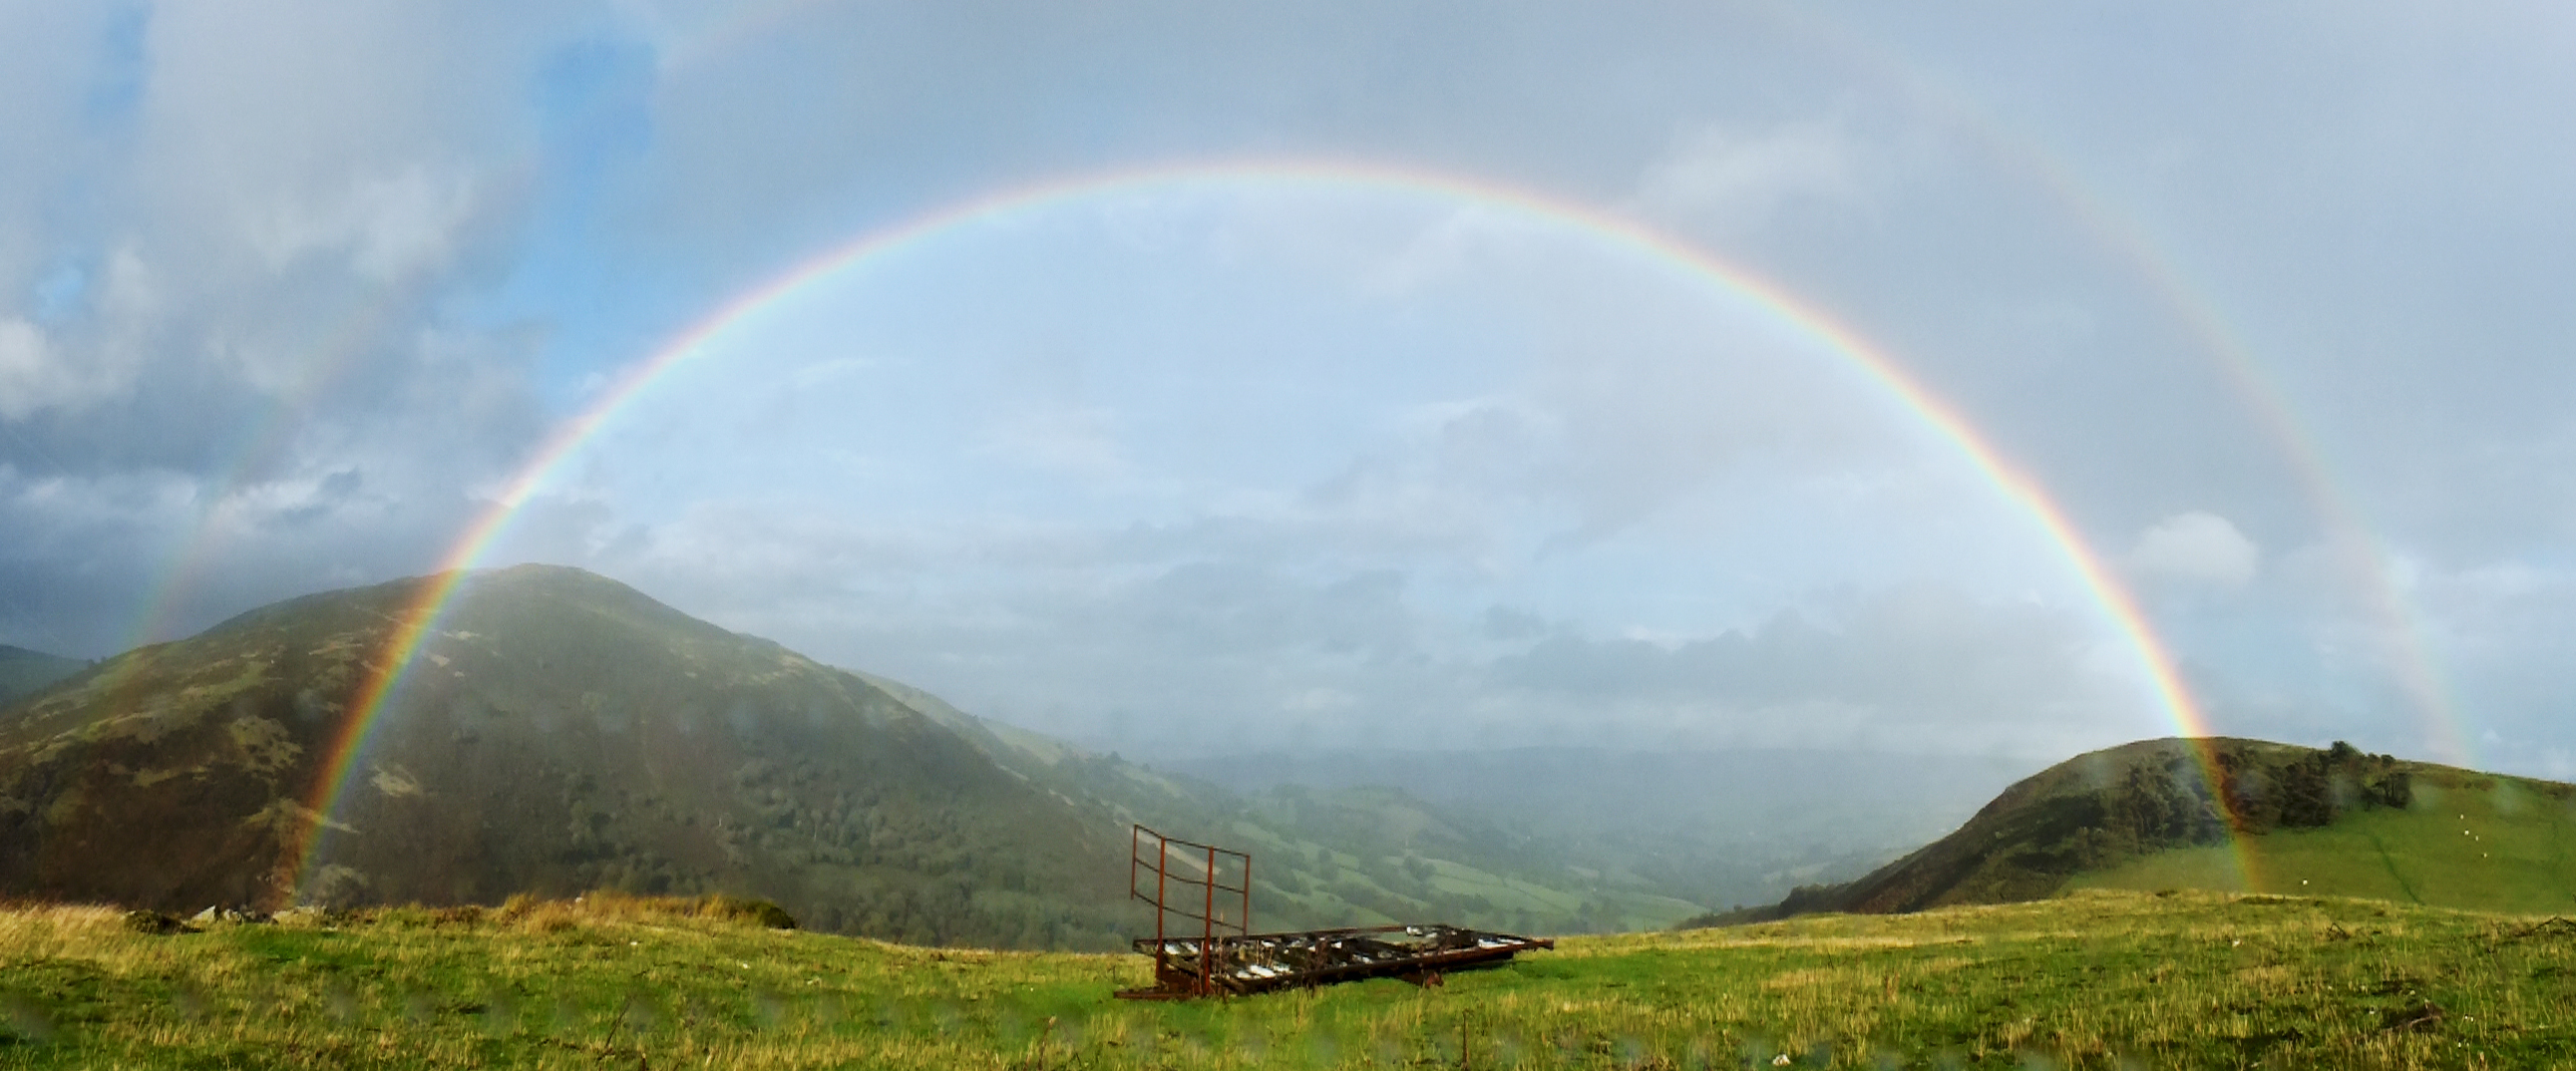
point(1211, 886)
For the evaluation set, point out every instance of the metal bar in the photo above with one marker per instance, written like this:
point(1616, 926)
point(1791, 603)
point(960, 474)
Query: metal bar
point(1189, 914)
point(1221, 958)
point(1196, 844)
point(1162, 859)
point(1207, 925)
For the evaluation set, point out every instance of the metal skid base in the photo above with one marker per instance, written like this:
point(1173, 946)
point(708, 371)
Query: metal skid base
point(1239, 965)
point(1186, 882)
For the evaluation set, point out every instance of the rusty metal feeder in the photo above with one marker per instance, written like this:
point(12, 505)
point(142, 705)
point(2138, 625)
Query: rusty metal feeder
point(1225, 958)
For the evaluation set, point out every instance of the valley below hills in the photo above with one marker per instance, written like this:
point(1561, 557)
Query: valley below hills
point(542, 848)
point(558, 732)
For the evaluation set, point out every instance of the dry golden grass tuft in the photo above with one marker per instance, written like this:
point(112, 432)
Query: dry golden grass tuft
point(552, 916)
point(33, 927)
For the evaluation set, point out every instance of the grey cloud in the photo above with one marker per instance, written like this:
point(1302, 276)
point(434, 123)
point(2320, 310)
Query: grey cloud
point(1199, 650)
point(1505, 623)
point(1923, 654)
point(2196, 546)
point(241, 307)
point(1731, 180)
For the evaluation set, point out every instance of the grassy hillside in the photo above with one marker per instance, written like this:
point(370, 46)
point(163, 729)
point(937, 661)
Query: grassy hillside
point(2276, 818)
point(24, 672)
point(562, 732)
point(2467, 840)
point(2096, 980)
point(559, 732)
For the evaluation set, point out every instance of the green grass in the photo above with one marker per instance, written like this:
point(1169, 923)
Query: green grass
point(2467, 841)
point(2094, 980)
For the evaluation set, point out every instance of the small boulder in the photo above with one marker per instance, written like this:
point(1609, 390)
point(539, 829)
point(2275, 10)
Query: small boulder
point(153, 922)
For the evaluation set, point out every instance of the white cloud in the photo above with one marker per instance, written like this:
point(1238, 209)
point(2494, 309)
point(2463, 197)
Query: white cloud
point(1074, 440)
point(1713, 174)
point(36, 374)
point(387, 225)
point(2197, 546)
point(30, 378)
point(818, 373)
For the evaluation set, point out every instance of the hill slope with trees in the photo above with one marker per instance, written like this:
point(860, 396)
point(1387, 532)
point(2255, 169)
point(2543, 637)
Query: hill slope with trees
point(2275, 818)
point(561, 732)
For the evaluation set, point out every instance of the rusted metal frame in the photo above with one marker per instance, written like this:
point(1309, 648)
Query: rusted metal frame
point(1427, 966)
point(1207, 924)
point(1195, 916)
point(1135, 867)
point(1242, 962)
point(1324, 957)
point(1162, 855)
point(1210, 951)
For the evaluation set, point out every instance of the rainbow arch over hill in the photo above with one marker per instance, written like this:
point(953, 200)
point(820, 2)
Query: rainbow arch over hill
point(418, 621)
point(2196, 308)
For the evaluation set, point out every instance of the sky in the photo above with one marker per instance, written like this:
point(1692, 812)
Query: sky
point(1184, 378)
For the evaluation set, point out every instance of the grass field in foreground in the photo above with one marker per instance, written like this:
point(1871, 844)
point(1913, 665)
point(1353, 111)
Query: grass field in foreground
point(2468, 840)
point(2098, 979)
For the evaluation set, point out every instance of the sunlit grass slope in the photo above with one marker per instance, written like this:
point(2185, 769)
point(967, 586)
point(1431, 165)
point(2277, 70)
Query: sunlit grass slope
point(2277, 818)
point(2466, 840)
point(2094, 980)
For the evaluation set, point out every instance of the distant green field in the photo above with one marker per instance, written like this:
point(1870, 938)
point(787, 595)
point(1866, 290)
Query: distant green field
point(2467, 841)
point(2095, 980)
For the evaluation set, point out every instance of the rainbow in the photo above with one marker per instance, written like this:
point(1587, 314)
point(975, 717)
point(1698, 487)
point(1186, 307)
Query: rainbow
point(418, 620)
point(2375, 564)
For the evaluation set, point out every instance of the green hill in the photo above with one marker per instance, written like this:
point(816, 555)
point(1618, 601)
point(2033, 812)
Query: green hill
point(2471, 840)
point(2276, 819)
point(24, 672)
point(562, 732)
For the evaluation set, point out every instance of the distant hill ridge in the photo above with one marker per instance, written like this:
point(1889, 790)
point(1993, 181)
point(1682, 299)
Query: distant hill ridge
point(2280, 819)
point(24, 672)
point(562, 732)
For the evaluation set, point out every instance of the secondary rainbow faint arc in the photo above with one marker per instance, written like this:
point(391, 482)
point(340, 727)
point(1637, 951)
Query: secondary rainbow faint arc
point(419, 619)
point(2195, 308)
